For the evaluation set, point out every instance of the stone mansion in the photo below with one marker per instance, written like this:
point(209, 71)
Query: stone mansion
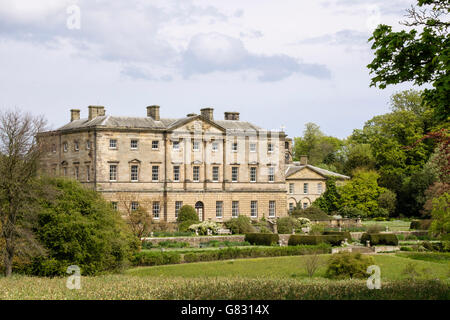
point(223, 168)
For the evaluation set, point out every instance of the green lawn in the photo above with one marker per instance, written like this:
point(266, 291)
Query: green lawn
point(282, 268)
point(394, 225)
point(261, 278)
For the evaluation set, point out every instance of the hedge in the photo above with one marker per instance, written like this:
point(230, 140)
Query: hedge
point(334, 240)
point(254, 252)
point(345, 234)
point(420, 224)
point(153, 258)
point(380, 238)
point(262, 239)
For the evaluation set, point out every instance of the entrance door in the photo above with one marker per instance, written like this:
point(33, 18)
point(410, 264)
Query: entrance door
point(199, 208)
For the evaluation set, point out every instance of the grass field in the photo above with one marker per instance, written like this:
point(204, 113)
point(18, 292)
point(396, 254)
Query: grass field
point(150, 288)
point(282, 268)
point(394, 225)
point(261, 278)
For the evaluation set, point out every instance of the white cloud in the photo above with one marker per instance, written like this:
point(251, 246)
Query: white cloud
point(210, 52)
point(342, 37)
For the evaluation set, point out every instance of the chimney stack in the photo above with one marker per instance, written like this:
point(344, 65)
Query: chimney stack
point(303, 160)
point(96, 111)
point(231, 115)
point(74, 114)
point(207, 113)
point(153, 112)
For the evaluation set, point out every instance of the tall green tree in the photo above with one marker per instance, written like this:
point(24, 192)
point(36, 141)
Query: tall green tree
point(316, 145)
point(399, 165)
point(356, 155)
point(362, 192)
point(441, 216)
point(330, 199)
point(420, 54)
point(79, 227)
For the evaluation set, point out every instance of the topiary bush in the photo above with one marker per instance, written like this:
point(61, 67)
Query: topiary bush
point(334, 240)
point(262, 239)
point(312, 213)
point(187, 213)
point(346, 265)
point(240, 225)
point(389, 239)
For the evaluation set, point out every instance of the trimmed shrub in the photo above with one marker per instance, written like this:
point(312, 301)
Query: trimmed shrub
point(346, 265)
point(345, 234)
point(334, 240)
point(226, 243)
point(312, 213)
point(254, 252)
point(420, 224)
point(155, 258)
point(240, 225)
point(187, 213)
point(262, 239)
point(389, 239)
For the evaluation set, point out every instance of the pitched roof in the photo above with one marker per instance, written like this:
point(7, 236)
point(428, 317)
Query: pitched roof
point(293, 168)
point(149, 123)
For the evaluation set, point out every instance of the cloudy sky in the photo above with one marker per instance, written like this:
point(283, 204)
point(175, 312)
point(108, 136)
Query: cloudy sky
point(279, 63)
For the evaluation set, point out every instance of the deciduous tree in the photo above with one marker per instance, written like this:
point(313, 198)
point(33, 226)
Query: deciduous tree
point(19, 160)
point(420, 54)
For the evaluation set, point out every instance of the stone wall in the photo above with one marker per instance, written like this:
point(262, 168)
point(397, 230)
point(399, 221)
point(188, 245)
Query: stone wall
point(358, 235)
point(340, 222)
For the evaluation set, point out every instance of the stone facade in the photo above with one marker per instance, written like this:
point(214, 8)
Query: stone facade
point(305, 183)
point(223, 168)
